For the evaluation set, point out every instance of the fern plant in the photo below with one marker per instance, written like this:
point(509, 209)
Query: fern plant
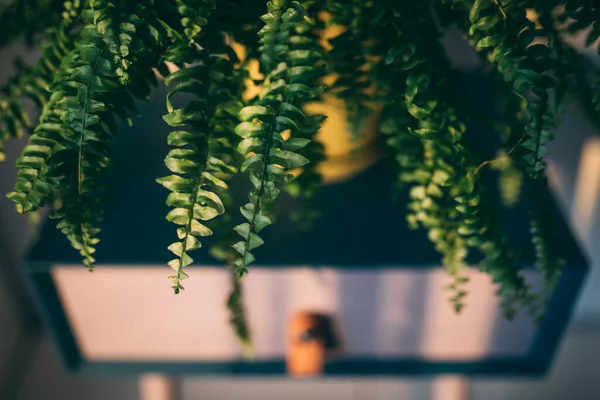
point(99, 57)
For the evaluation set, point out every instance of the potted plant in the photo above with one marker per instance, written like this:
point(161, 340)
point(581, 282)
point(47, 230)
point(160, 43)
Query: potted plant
point(384, 62)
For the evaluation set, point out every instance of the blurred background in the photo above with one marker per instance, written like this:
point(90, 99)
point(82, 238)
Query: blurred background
point(30, 367)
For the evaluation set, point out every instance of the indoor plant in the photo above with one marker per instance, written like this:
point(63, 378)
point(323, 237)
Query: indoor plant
point(100, 56)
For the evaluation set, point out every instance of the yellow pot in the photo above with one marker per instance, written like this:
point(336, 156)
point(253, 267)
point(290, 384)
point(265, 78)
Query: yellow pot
point(346, 156)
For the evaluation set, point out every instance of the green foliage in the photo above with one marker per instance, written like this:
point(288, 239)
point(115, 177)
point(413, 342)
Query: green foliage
point(268, 156)
point(446, 197)
point(511, 117)
point(68, 151)
point(438, 156)
point(88, 100)
point(582, 74)
point(237, 317)
point(348, 60)
point(201, 154)
point(307, 184)
point(194, 15)
point(543, 236)
point(98, 57)
point(32, 82)
point(512, 43)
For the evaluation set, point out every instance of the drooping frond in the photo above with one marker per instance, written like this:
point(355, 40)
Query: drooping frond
point(542, 222)
point(33, 187)
point(483, 232)
point(446, 198)
point(432, 204)
point(308, 183)
point(543, 230)
point(32, 82)
point(223, 251)
point(237, 315)
point(510, 119)
point(89, 97)
point(71, 143)
point(404, 148)
point(582, 73)
point(202, 148)
point(269, 157)
point(522, 55)
point(100, 56)
point(194, 15)
point(117, 32)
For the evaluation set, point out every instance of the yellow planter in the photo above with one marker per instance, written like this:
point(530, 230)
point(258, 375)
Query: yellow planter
point(345, 156)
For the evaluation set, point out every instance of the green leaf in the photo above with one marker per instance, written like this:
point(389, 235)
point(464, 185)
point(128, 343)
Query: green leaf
point(250, 112)
point(485, 23)
point(248, 129)
point(243, 229)
point(175, 183)
point(176, 248)
point(490, 41)
point(211, 199)
point(251, 144)
point(204, 213)
point(179, 216)
point(294, 144)
point(254, 163)
point(288, 159)
point(197, 229)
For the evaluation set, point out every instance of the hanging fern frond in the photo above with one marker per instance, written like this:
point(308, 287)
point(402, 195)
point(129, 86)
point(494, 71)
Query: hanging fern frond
point(194, 15)
point(32, 82)
point(432, 205)
point(90, 95)
point(117, 32)
point(582, 74)
point(14, 120)
point(269, 156)
point(223, 251)
point(71, 144)
point(510, 118)
point(100, 56)
point(33, 187)
point(447, 174)
point(482, 231)
point(309, 181)
point(200, 154)
point(137, 34)
point(543, 231)
point(237, 315)
point(542, 222)
point(521, 53)
point(404, 148)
